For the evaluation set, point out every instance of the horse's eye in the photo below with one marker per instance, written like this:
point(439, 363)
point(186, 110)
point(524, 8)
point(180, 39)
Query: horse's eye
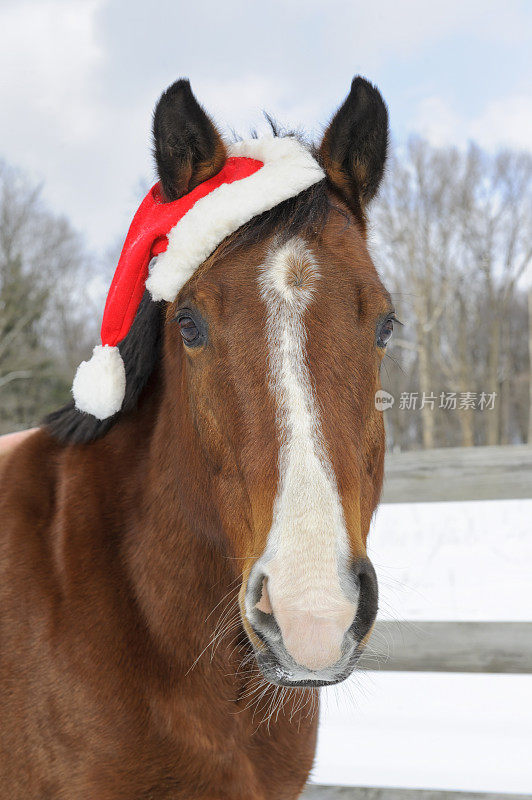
point(189, 330)
point(385, 333)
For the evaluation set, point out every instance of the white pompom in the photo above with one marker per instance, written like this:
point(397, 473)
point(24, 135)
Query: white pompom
point(100, 384)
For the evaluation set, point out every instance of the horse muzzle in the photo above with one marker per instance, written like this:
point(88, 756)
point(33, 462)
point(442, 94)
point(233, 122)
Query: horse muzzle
point(310, 638)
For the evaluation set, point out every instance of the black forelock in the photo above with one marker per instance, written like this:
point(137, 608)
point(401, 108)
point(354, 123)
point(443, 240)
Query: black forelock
point(305, 214)
point(140, 353)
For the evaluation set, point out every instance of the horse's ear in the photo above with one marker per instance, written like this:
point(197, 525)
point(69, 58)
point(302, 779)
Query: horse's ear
point(187, 147)
point(353, 150)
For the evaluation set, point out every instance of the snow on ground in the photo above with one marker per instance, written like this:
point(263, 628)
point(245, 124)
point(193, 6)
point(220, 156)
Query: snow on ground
point(421, 730)
point(454, 561)
point(439, 561)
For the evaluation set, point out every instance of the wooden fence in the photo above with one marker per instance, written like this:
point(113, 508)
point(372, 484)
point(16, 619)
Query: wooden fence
point(362, 793)
point(459, 473)
point(451, 647)
point(483, 647)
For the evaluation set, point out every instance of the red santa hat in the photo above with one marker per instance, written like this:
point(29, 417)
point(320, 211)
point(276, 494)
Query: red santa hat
point(258, 175)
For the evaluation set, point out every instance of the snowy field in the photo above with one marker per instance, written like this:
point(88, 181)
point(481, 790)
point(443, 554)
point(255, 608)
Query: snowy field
point(439, 561)
point(454, 561)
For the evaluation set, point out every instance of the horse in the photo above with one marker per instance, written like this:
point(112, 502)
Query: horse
point(179, 579)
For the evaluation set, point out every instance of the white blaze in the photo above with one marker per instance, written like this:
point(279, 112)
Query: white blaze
point(307, 549)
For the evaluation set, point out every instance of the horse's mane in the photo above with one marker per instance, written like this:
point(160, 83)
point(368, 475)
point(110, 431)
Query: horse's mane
point(140, 353)
point(306, 213)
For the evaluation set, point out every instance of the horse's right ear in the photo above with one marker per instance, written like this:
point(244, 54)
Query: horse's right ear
point(187, 146)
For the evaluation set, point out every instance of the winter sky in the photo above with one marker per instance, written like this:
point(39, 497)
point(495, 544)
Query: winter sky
point(80, 78)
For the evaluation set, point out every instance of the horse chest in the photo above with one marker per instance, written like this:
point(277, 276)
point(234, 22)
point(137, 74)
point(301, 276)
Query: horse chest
point(223, 747)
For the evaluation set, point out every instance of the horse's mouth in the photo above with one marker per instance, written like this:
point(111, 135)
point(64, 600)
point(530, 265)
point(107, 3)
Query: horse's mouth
point(280, 676)
point(279, 668)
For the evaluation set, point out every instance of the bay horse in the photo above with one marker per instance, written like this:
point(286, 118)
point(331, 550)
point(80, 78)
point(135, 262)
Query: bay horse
point(178, 580)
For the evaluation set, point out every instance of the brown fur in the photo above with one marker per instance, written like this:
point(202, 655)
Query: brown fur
point(112, 557)
point(120, 559)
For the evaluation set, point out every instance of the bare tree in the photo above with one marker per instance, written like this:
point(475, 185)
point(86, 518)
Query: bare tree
point(416, 245)
point(530, 366)
point(44, 325)
point(496, 220)
point(454, 237)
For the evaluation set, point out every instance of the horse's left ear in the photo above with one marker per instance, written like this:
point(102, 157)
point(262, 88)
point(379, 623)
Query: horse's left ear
point(187, 146)
point(353, 150)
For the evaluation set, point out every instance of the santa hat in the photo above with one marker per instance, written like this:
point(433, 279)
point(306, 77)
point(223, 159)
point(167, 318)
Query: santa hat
point(258, 175)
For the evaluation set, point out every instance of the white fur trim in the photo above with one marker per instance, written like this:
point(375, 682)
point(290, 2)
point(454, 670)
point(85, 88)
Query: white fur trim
point(288, 169)
point(100, 384)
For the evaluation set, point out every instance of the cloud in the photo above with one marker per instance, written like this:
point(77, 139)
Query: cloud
point(506, 121)
point(383, 31)
point(503, 122)
point(436, 121)
point(83, 76)
point(53, 116)
point(238, 104)
point(50, 54)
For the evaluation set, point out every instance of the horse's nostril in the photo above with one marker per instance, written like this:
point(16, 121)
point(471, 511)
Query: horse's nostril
point(264, 603)
point(255, 591)
point(259, 608)
point(368, 598)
